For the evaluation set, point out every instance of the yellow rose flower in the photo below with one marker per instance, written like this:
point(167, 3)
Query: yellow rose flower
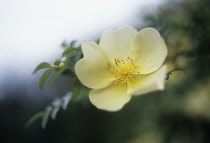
point(125, 63)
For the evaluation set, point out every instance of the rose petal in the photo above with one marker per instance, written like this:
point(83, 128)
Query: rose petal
point(118, 44)
point(149, 50)
point(111, 98)
point(92, 69)
point(147, 83)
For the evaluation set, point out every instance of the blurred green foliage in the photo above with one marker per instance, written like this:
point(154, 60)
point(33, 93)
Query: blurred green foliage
point(181, 112)
point(178, 113)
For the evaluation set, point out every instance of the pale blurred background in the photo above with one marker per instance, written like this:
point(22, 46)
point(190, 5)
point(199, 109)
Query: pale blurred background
point(33, 31)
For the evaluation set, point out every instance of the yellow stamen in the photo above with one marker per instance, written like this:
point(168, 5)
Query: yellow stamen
point(123, 70)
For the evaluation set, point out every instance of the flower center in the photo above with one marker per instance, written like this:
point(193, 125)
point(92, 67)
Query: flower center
point(123, 70)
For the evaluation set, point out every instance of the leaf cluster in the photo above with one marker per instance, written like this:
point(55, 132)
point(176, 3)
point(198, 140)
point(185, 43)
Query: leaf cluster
point(50, 111)
point(69, 57)
point(63, 66)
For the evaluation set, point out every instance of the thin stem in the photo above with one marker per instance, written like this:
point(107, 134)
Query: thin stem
point(63, 67)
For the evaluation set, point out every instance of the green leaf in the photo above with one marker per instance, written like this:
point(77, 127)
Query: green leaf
point(66, 100)
point(44, 78)
point(56, 106)
point(78, 55)
point(63, 59)
point(56, 62)
point(68, 50)
point(46, 116)
point(68, 58)
point(54, 112)
point(56, 103)
point(57, 74)
point(72, 43)
point(41, 66)
point(35, 118)
point(98, 40)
